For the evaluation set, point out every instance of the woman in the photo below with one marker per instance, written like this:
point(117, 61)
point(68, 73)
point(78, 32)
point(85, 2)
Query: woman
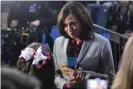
point(124, 77)
point(79, 52)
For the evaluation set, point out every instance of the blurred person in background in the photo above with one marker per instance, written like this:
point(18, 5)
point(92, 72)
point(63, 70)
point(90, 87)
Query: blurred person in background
point(28, 14)
point(22, 13)
point(79, 52)
point(124, 76)
point(11, 78)
point(120, 18)
point(36, 59)
point(35, 14)
point(31, 14)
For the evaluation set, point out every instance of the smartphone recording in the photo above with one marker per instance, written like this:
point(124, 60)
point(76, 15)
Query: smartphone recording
point(97, 82)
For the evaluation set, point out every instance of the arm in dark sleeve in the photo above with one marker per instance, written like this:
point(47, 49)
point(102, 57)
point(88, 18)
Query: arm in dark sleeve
point(46, 21)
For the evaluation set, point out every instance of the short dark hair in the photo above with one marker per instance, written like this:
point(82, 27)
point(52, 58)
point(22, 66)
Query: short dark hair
point(82, 14)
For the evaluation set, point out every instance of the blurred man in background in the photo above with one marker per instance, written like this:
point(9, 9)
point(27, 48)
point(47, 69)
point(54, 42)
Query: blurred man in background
point(120, 19)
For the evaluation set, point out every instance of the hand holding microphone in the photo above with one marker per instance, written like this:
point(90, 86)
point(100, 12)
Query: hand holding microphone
point(79, 76)
point(75, 77)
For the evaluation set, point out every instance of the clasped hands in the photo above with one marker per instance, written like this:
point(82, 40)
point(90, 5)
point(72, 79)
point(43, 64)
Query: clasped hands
point(75, 77)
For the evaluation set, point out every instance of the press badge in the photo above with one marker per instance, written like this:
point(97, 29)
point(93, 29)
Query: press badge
point(66, 71)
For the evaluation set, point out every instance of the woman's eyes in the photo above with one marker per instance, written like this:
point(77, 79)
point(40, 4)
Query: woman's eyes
point(71, 24)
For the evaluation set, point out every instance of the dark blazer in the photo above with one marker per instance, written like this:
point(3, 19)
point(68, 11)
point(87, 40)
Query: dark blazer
point(96, 56)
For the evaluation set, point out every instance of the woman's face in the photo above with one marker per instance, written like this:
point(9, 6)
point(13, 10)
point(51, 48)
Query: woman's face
point(72, 26)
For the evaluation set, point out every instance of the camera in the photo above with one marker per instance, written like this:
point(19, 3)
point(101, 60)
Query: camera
point(25, 38)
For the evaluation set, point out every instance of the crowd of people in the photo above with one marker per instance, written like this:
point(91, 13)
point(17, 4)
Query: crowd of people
point(121, 18)
point(77, 54)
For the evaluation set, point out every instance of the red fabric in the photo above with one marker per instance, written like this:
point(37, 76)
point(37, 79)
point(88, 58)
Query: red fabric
point(65, 86)
point(48, 56)
point(41, 66)
point(77, 45)
point(22, 59)
point(74, 42)
point(34, 53)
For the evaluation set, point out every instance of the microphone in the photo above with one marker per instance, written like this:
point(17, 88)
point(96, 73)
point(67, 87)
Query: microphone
point(72, 59)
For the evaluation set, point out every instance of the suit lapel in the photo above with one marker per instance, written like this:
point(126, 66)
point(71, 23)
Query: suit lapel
point(83, 50)
point(65, 50)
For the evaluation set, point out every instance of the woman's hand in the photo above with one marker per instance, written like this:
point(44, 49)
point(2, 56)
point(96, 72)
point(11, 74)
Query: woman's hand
point(71, 82)
point(79, 76)
point(76, 77)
